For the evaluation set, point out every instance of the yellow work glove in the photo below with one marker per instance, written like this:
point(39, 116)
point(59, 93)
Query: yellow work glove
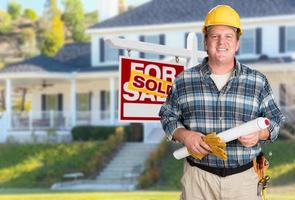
point(216, 144)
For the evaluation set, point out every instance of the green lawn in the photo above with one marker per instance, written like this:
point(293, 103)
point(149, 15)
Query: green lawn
point(40, 165)
point(281, 171)
point(139, 195)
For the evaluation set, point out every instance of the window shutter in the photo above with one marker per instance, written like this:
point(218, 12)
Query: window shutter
point(282, 39)
point(43, 102)
point(102, 100)
point(141, 54)
point(90, 100)
point(258, 40)
point(101, 50)
point(162, 42)
point(60, 102)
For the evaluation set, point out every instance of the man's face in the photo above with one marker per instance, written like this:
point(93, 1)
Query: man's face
point(221, 44)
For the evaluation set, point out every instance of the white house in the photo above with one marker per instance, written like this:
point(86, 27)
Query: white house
point(80, 84)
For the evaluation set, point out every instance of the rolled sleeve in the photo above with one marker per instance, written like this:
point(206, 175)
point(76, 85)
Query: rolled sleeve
point(170, 114)
point(269, 109)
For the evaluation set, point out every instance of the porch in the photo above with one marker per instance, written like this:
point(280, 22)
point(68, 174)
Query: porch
point(59, 120)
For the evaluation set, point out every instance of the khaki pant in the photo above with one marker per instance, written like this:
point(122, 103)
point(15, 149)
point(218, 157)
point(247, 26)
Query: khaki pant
point(198, 184)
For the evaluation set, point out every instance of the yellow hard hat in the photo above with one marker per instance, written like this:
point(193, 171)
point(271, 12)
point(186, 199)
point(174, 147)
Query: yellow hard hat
point(223, 15)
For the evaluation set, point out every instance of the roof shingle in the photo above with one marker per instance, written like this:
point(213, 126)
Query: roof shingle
point(177, 11)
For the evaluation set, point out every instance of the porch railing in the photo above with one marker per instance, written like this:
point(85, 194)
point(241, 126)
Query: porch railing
point(59, 119)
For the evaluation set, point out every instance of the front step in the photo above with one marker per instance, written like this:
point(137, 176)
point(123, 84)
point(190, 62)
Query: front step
point(120, 174)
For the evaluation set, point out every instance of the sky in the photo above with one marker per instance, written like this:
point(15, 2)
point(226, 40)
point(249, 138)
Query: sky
point(37, 5)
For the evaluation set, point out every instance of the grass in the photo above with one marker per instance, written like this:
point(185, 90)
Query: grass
point(281, 171)
point(40, 165)
point(138, 195)
point(282, 162)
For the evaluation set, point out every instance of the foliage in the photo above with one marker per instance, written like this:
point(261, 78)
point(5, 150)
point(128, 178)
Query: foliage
point(281, 171)
point(40, 165)
point(30, 14)
point(17, 107)
point(5, 22)
point(14, 9)
point(53, 38)
point(51, 10)
point(74, 19)
point(86, 133)
point(134, 132)
point(151, 173)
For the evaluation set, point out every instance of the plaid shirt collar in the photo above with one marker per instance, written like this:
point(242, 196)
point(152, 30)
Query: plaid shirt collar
point(205, 70)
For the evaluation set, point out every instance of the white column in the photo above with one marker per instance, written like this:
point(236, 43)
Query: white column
point(30, 119)
point(73, 102)
point(192, 44)
point(8, 103)
point(112, 99)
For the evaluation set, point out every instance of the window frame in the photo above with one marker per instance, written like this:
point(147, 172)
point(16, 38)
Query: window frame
point(253, 52)
point(287, 46)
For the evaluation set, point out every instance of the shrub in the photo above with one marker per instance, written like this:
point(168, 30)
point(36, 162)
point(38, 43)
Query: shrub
point(151, 173)
point(100, 158)
point(86, 133)
point(134, 132)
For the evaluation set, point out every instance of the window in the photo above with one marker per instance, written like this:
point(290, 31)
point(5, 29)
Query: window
point(107, 53)
point(104, 100)
point(247, 42)
point(152, 39)
point(156, 39)
point(51, 102)
point(110, 54)
point(200, 38)
point(290, 38)
point(83, 101)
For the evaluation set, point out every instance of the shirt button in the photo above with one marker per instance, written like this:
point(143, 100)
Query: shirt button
point(220, 118)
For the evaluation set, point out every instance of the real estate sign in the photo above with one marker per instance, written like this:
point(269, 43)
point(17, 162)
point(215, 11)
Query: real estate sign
point(144, 86)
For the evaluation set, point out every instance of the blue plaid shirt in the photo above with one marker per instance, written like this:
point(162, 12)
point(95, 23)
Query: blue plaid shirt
point(196, 104)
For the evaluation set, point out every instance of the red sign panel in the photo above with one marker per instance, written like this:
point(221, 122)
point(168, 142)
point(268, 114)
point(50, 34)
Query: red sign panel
point(144, 87)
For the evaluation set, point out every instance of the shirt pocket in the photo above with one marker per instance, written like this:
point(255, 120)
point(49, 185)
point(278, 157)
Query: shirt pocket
point(247, 107)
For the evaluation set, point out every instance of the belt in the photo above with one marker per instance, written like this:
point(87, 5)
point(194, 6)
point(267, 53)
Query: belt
point(223, 172)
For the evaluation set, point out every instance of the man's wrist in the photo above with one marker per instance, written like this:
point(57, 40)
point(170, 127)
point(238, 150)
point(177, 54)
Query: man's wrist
point(264, 134)
point(180, 135)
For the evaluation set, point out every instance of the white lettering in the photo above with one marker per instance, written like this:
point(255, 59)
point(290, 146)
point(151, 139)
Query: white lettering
point(149, 67)
point(169, 72)
point(137, 66)
point(144, 96)
point(131, 95)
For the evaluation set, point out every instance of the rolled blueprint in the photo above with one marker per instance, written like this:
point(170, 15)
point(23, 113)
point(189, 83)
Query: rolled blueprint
point(232, 134)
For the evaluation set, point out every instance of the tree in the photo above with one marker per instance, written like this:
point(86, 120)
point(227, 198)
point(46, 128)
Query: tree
point(14, 9)
point(51, 10)
point(30, 14)
point(5, 22)
point(53, 38)
point(74, 19)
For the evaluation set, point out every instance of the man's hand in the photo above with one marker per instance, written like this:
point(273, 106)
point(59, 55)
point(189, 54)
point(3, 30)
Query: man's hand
point(253, 138)
point(193, 141)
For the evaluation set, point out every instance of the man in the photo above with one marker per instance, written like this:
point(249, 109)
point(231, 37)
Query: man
point(217, 95)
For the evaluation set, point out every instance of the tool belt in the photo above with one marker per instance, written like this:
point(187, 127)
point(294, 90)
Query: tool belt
point(222, 172)
point(260, 166)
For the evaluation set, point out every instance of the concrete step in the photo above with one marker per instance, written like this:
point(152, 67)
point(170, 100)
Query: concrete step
point(121, 173)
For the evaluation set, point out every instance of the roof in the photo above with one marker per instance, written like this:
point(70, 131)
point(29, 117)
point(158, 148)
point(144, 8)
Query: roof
point(73, 57)
point(175, 11)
